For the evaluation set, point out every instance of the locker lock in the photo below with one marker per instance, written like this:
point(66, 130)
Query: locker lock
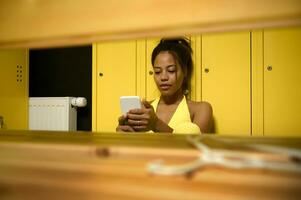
point(150, 72)
point(269, 68)
point(100, 74)
point(206, 70)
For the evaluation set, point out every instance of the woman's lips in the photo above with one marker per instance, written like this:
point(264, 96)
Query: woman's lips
point(165, 86)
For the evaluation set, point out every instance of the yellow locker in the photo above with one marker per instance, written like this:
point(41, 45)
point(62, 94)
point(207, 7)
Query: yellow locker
point(257, 82)
point(115, 68)
point(225, 80)
point(151, 89)
point(282, 82)
point(195, 90)
point(14, 88)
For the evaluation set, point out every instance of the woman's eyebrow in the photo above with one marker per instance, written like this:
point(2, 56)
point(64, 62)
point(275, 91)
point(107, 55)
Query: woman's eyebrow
point(173, 65)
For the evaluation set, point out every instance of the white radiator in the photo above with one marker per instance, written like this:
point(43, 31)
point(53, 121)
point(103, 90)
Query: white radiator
point(52, 113)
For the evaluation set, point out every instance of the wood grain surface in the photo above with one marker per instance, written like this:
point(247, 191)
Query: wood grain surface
point(85, 165)
point(40, 23)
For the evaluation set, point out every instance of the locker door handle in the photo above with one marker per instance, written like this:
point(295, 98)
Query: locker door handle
point(269, 68)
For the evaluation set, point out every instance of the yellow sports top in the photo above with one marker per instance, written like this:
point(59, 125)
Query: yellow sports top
point(180, 122)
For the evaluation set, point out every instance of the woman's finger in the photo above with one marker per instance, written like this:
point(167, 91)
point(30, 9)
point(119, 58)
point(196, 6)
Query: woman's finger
point(122, 119)
point(146, 104)
point(140, 128)
point(125, 128)
point(137, 122)
point(136, 117)
point(137, 111)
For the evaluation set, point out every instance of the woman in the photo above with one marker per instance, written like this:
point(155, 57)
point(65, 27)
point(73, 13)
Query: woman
point(171, 112)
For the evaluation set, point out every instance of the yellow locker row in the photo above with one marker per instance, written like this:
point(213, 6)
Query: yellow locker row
point(219, 86)
point(252, 80)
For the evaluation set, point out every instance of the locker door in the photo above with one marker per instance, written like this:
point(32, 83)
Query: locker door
point(196, 79)
point(152, 91)
point(14, 88)
point(226, 81)
point(115, 76)
point(282, 82)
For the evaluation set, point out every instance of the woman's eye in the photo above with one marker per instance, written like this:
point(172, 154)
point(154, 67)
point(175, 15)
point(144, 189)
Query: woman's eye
point(171, 69)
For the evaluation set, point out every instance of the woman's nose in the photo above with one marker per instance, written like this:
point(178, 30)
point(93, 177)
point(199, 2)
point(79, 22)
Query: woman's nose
point(164, 76)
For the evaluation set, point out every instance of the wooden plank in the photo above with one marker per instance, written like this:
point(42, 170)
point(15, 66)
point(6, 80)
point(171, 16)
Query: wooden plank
point(55, 23)
point(48, 171)
point(90, 138)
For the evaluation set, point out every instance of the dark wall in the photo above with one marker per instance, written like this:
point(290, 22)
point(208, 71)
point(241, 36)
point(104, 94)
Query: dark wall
point(61, 72)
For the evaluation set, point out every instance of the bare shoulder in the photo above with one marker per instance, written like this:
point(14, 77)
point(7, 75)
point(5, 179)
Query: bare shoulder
point(201, 114)
point(199, 106)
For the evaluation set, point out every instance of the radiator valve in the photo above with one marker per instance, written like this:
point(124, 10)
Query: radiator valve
point(79, 102)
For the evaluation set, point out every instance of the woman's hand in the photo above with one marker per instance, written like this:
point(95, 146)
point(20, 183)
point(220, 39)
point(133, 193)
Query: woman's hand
point(123, 125)
point(143, 119)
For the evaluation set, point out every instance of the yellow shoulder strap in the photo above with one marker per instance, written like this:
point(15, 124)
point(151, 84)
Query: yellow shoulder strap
point(180, 121)
point(155, 103)
point(181, 114)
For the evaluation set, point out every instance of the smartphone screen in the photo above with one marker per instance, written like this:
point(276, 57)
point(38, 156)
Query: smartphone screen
point(129, 102)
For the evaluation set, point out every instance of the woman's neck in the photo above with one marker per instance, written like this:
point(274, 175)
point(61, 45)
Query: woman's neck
point(172, 99)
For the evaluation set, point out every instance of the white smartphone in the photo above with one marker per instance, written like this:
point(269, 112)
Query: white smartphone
point(129, 102)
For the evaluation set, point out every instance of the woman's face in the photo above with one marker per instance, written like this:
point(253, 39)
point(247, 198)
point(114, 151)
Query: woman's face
point(168, 74)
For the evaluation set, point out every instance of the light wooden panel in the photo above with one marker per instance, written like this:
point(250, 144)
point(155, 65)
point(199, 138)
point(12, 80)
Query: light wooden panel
point(38, 23)
point(61, 165)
